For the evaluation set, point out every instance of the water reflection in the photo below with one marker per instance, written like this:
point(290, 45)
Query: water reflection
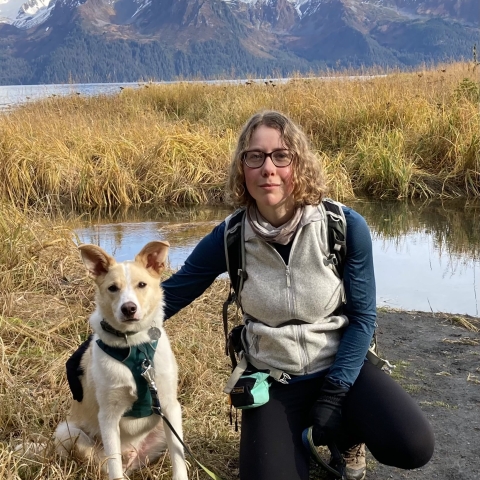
point(427, 256)
point(453, 224)
point(123, 232)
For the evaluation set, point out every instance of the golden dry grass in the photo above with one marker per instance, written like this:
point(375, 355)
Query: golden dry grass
point(399, 135)
point(465, 323)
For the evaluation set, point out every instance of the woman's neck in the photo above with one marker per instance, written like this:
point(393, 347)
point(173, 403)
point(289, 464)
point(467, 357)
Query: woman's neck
point(278, 215)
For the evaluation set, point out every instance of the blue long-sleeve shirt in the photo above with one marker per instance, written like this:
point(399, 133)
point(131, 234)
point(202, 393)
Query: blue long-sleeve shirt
point(207, 262)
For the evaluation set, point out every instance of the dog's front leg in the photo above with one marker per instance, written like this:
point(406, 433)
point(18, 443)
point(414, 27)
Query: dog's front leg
point(110, 430)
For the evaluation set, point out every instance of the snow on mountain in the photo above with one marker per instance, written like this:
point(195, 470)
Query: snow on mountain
point(142, 6)
point(297, 3)
point(33, 12)
point(9, 10)
point(25, 14)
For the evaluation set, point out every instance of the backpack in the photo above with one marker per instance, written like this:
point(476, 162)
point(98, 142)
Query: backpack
point(235, 257)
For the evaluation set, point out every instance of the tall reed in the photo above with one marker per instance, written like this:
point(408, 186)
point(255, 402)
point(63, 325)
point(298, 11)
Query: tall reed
point(399, 135)
point(29, 242)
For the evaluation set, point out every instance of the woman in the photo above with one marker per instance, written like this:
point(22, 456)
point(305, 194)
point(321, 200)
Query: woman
point(302, 319)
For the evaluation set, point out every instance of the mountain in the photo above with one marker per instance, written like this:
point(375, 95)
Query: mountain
point(53, 41)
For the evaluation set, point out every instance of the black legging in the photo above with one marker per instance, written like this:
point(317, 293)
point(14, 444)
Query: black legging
point(377, 412)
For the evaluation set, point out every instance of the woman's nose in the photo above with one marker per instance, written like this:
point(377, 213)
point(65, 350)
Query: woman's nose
point(268, 166)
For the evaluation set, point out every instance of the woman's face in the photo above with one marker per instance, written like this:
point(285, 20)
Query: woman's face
point(270, 186)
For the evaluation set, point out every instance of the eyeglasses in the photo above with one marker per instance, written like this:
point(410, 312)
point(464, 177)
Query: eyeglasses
point(256, 158)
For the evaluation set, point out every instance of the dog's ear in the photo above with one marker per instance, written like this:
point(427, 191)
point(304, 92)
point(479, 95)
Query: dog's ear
point(153, 256)
point(97, 261)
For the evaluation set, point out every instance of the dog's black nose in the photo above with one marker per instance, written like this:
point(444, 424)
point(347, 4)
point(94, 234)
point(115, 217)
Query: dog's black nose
point(129, 309)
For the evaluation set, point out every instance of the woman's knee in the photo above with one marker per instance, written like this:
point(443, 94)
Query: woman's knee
point(419, 449)
point(409, 458)
point(389, 421)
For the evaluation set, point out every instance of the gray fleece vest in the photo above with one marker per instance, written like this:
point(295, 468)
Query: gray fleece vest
point(291, 312)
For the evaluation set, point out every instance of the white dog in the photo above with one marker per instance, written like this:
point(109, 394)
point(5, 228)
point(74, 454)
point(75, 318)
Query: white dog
point(113, 421)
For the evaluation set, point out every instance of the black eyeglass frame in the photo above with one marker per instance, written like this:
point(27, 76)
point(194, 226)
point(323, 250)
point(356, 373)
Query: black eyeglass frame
point(266, 155)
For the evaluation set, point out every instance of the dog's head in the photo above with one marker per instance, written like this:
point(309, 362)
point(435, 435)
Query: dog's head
point(129, 296)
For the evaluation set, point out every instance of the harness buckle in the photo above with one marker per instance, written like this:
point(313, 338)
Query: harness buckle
point(284, 378)
point(330, 260)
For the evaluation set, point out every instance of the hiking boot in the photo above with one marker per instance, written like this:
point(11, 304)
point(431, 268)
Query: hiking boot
point(355, 465)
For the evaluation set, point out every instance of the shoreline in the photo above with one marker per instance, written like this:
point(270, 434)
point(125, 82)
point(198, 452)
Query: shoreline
point(445, 315)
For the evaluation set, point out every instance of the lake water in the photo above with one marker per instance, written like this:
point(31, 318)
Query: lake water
point(14, 95)
point(11, 96)
point(427, 256)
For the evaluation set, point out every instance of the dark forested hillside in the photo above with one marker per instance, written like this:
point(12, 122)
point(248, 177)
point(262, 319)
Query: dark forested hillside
point(87, 58)
point(205, 39)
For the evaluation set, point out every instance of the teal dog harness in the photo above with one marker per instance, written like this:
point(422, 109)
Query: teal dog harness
point(133, 357)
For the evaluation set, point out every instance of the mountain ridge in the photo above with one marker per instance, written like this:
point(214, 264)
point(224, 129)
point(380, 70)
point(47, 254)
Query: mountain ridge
point(161, 39)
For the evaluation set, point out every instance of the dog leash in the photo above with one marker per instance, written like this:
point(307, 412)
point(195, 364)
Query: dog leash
point(147, 374)
point(336, 466)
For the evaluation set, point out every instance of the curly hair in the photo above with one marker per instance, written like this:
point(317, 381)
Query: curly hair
point(308, 179)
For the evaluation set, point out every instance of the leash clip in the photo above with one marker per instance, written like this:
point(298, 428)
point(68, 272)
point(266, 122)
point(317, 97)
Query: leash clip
point(148, 373)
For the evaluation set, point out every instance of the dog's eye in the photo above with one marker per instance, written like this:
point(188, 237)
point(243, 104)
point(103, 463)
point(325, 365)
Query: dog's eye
point(113, 288)
point(142, 285)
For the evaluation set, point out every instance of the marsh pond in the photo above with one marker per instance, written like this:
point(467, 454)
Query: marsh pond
point(427, 255)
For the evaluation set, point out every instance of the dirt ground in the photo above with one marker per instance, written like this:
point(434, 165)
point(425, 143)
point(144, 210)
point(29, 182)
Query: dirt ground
point(438, 363)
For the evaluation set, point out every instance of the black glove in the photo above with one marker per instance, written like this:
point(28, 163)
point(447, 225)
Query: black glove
point(327, 413)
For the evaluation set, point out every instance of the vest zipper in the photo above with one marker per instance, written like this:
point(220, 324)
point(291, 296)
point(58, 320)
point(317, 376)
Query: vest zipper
point(289, 289)
point(287, 273)
point(288, 280)
point(291, 299)
point(302, 346)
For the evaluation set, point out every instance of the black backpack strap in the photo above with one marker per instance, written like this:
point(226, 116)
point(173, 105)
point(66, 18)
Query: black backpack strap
point(337, 235)
point(235, 257)
point(235, 250)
